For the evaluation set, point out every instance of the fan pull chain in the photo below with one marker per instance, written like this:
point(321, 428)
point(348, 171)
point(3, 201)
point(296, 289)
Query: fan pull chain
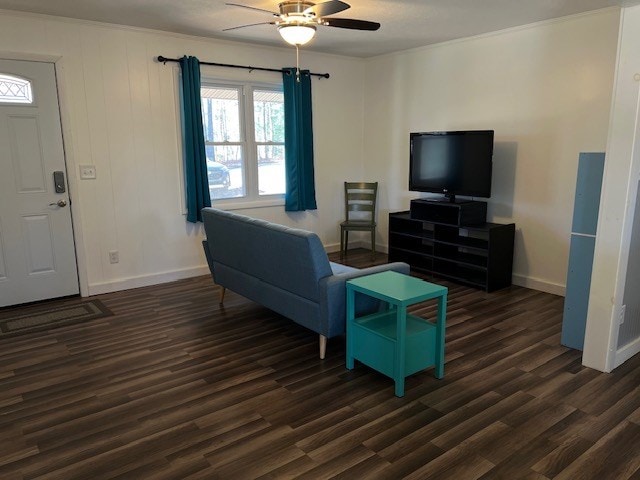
point(298, 63)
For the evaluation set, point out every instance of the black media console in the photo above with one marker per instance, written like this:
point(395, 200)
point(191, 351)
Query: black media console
point(453, 241)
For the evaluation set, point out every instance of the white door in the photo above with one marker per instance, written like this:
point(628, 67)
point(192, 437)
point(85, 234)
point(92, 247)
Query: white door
point(37, 253)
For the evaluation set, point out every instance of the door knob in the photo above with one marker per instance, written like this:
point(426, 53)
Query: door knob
point(59, 203)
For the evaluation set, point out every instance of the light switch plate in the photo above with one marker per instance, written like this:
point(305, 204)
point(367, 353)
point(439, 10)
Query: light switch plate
point(87, 172)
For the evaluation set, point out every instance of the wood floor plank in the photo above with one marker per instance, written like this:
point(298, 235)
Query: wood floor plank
point(410, 462)
point(453, 465)
point(371, 467)
point(173, 385)
point(563, 455)
point(469, 427)
point(432, 430)
point(614, 456)
point(290, 470)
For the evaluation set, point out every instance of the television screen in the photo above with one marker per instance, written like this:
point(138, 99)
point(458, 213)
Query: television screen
point(452, 163)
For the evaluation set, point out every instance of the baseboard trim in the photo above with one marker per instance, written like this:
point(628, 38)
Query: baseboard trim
point(147, 280)
point(538, 284)
point(332, 247)
point(335, 247)
point(173, 275)
point(520, 280)
point(625, 353)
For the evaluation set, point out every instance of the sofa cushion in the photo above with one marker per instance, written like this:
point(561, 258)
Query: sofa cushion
point(338, 268)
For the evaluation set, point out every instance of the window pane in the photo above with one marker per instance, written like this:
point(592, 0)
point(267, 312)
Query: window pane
point(225, 171)
point(221, 114)
point(268, 115)
point(15, 90)
point(271, 174)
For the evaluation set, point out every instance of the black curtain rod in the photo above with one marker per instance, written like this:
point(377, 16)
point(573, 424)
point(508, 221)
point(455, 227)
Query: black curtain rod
point(245, 67)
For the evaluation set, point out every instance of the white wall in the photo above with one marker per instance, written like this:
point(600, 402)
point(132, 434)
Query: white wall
point(618, 200)
point(119, 113)
point(546, 91)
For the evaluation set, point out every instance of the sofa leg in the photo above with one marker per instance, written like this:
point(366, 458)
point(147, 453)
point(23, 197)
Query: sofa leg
point(323, 346)
point(222, 292)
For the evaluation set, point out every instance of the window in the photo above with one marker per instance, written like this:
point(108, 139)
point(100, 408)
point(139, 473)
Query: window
point(244, 141)
point(15, 90)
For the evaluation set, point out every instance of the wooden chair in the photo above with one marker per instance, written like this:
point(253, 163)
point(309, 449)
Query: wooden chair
point(360, 212)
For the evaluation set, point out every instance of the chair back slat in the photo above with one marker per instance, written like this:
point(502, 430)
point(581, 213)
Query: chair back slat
point(355, 196)
point(356, 207)
point(360, 200)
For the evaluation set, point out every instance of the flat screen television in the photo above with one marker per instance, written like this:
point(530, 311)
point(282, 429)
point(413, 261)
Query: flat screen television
point(452, 163)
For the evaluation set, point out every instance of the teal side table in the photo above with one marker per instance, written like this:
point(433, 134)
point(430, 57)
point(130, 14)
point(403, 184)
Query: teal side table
point(392, 342)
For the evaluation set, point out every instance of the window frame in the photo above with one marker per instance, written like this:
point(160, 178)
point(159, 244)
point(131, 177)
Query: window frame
point(249, 144)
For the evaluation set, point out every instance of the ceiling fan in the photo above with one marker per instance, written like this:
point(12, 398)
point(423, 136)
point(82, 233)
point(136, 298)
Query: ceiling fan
point(297, 20)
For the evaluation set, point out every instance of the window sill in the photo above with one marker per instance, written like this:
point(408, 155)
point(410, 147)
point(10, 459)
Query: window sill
point(245, 205)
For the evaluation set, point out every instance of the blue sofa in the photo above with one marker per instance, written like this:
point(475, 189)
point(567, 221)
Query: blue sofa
point(285, 269)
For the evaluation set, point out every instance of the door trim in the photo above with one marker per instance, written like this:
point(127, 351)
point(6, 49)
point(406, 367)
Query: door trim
point(71, 165)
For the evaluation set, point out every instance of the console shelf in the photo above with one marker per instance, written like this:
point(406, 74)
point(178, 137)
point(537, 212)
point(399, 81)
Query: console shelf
point(479, 255)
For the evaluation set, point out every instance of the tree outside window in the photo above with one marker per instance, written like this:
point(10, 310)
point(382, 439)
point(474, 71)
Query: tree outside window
point(244, 140)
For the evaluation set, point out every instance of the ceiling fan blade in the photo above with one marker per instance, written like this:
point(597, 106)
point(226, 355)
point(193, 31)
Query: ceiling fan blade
point(350, 23)
point(248, 25)
point(327, 8)
point(253, 8)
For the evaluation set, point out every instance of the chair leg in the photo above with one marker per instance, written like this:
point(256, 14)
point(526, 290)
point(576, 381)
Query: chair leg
point(373, 242)
point(323, 346)
point(222, 292)
point(341, 241)
point(346, 241)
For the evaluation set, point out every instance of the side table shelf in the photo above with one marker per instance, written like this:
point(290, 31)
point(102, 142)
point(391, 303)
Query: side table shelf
point(375, 341)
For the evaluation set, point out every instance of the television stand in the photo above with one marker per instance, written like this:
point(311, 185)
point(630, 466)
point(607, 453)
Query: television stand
point(459, 212)
point(446, 199)
point(453, 241)
point(451, 198)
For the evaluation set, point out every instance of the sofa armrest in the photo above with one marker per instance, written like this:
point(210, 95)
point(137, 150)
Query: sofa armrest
point(333, 297)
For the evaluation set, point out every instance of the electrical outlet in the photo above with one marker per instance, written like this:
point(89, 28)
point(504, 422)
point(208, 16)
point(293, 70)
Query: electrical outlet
point(87, 172)
point(114, 256)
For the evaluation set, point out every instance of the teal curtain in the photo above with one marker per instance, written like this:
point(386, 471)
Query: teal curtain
point(195, 158)
point(298, 141)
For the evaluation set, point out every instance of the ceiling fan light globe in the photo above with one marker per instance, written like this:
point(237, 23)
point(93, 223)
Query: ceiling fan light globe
point(297, 34)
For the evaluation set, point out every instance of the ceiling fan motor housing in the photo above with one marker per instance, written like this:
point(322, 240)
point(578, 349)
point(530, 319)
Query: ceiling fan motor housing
point(294, 7)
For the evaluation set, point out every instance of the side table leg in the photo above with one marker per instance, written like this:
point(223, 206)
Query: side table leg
point(400, 357)
point(350, 333)
point(440, 330)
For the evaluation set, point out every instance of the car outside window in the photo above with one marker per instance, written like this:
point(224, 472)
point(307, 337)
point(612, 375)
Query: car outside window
point(244, 141)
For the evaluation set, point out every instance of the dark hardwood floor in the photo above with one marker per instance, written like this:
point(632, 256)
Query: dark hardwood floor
point(175, 387)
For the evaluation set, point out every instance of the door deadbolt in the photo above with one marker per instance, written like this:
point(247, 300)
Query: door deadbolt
point(58, 181)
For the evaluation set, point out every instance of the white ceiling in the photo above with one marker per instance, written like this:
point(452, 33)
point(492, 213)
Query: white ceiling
point(405, 23)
